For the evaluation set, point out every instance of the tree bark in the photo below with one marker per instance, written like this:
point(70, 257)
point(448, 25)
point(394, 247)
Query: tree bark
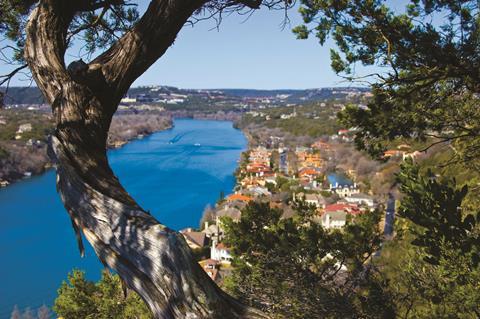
point(152, 259)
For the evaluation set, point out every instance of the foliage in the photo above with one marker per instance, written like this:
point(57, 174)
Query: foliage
point(427, 87)
point(436, 207)
point(432, 264)
point(3, 153)
point(97, 28)
point(294, 268)
point(80, 298)
point(311, 120)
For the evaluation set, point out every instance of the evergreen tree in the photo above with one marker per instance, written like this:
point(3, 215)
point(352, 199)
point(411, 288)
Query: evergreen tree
point(80, 298)
point(428, 54)
point(427, 91)
point(294, 268)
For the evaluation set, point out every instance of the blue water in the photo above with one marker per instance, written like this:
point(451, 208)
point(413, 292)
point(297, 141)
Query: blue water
point(168, 173)
point(343, 181)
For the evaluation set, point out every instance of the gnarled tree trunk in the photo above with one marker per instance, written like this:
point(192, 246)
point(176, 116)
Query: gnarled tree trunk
point(152, 259)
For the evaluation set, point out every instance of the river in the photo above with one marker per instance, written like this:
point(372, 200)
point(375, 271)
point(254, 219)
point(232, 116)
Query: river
point(174, 174)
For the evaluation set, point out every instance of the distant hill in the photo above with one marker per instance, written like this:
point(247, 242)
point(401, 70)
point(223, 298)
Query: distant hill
point(32, 95)
point(23, 95)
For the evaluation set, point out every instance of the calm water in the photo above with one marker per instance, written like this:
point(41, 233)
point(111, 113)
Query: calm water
point(174, 174)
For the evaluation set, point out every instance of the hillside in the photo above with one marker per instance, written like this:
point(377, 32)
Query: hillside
point(240, 98)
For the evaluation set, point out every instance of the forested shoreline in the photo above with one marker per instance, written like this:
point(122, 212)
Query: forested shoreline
point(24, 154)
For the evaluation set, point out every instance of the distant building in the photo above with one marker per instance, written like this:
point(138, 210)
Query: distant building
point(335, 215)
point(239, 197)
point(220, 252)
point(321, 146)
point(313, 199)
point(210, 266)
point(350, 209)
point(230, 211)
point(24, 128)
point(195, 240)
point(128, 99)
point(361, 199)
point(256, 191)
point(309, 174)
point(342, 186)
point(334, 219)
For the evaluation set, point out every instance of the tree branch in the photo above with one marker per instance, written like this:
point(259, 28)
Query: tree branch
point(7, 77)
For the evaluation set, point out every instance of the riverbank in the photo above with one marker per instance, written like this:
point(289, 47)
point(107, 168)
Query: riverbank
point(26, 155)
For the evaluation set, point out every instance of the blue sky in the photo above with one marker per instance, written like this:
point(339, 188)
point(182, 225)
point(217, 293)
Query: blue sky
point(243, 54)
point(255, 53)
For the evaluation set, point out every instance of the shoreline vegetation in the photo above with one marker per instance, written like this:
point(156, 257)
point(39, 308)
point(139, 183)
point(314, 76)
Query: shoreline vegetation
point(24, 139)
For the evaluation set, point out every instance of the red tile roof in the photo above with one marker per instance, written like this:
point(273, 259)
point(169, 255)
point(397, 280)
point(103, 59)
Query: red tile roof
point(308, 171)
point(239, 197)
point(349, 208)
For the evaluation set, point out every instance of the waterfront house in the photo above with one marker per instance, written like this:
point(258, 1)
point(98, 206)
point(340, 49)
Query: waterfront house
point(260, 155)
point(239, 197)
point(256, 191)
point(259, 170)
point(229, 211)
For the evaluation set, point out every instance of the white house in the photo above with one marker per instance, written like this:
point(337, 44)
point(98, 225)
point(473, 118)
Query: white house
point(336, 219)
point(361, 199)
point(220, 252)
point(313, 199)
point(346, 191)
